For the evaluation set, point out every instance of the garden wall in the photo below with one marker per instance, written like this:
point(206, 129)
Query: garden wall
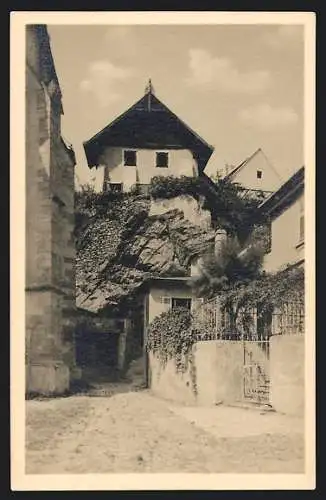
point(287, 373)
point(215, 377)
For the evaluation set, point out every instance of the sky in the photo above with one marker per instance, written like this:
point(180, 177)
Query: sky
point(240, 87)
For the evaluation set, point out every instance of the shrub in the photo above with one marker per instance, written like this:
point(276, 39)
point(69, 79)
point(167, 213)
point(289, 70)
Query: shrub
point(170, 187)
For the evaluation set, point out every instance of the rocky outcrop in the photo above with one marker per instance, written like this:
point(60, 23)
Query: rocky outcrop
point(119, 252)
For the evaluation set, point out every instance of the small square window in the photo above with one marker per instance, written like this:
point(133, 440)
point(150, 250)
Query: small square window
point(130, 158)
point(259, 174)
point(162, 160)
point(183, 303)
point(116, 187)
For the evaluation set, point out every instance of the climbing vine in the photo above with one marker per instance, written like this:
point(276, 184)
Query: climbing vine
point(265, 294)
point(170, 336)
point(268, 291)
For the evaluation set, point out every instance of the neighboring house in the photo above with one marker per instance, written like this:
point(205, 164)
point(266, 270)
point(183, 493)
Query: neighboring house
point(145, 141)
point(50, 249)
point(285, 211)
point(255, 173)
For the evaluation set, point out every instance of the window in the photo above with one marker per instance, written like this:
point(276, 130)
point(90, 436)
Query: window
point(116, 187)
point(162, 160)
point(165, 300)
point(130, 158)
point(259, 174)
point(184, 303)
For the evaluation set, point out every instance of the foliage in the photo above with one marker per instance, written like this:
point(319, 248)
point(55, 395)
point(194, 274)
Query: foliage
point(94, 203)
point(230, 205)
point(232, 265)
point(233, 209)
point(268, 291)
point(170, 187)
point(170, 336)
point(264, 294)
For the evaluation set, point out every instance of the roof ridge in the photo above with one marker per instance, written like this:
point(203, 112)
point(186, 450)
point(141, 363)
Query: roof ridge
point(153, 96)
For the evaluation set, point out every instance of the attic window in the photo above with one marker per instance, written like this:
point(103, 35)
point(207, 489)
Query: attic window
point(259, 174)
point(162, 160)
point(130, 158)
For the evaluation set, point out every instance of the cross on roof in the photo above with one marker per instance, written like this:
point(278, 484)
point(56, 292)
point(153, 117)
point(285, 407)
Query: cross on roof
point(149, 87)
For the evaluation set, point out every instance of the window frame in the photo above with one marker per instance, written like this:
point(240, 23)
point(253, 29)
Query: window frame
point(110, 184)
point(259, 174)
point(127, 150)
point(188, 299)
point(167, 156)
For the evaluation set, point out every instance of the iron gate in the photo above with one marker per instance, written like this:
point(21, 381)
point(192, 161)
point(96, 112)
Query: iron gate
point(256, 370)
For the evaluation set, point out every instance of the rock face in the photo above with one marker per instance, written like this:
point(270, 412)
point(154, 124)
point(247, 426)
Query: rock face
point(117, 253)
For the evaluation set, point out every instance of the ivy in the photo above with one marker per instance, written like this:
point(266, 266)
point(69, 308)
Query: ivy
point(170, 336)
point(265, 294)
point(268, 291)
point(170, 187)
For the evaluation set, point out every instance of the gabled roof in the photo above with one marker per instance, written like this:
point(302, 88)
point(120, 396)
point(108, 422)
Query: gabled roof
point(241, 165)
point(284, 196)
point(148, 123)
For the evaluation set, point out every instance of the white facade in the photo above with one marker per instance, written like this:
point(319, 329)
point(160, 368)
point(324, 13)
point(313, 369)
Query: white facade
point(257, 173)
point(160, 297)
point(287, 237)
point(113, 170)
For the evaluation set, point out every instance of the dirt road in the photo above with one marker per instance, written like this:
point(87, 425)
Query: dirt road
point(136, 432)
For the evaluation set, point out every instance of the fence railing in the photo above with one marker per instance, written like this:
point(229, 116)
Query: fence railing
point(289, 319)
point(211, 322)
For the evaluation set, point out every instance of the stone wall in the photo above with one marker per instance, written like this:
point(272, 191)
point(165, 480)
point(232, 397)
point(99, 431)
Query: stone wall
point(50, 249)
point(287, 368)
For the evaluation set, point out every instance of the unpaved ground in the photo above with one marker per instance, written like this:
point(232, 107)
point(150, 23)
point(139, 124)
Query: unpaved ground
point(136, 432)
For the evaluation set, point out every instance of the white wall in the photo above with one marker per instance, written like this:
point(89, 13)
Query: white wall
point(247, 176)
point(286, 238)
point(181, 162)
point(155, 306)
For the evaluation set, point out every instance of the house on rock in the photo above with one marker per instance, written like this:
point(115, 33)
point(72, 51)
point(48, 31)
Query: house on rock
point(135, 263)
point(145, 141)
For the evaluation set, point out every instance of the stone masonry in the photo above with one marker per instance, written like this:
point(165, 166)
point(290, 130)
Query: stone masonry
point(50, 248)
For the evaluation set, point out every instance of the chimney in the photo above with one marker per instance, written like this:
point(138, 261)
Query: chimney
point(220, 238)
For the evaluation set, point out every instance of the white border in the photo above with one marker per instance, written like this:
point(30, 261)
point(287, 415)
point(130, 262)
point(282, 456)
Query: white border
point(21, 481)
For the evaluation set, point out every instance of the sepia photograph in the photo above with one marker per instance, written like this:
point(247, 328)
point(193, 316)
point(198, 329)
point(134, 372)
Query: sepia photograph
point(165, 258)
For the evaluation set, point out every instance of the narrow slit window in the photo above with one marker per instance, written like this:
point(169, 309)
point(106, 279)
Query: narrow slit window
point(259, 174)
point(162, 160)
point(130, 158)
